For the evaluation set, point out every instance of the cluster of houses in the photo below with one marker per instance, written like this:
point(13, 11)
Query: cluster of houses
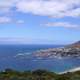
point(58, 52)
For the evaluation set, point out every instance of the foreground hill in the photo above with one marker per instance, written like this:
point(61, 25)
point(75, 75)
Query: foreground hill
point(9, 74)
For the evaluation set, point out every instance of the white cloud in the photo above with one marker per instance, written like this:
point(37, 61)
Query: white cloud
point(6, 5)
point(54, 8)
point(62, 24)
point(5, 19)
point(74, 13)
point(20, 21)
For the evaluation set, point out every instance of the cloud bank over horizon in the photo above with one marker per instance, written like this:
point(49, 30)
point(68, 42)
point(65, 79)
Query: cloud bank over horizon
point(9, 40)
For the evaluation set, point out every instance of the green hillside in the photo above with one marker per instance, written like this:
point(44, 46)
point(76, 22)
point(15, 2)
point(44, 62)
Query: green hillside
point(9, 74)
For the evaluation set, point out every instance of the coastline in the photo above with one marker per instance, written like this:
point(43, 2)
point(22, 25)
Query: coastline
point(71, 70)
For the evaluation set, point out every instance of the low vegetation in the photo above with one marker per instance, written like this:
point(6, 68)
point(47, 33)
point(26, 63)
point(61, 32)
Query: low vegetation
point(9, 74)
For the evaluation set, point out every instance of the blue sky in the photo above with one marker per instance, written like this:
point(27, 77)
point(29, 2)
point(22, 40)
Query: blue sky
point(39, 21)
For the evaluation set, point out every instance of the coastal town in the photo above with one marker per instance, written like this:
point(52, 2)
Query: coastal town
point(58, 52)
point(67, 51)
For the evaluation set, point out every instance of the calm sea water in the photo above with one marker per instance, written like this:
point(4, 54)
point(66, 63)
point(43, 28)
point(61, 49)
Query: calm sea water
point(8, 60)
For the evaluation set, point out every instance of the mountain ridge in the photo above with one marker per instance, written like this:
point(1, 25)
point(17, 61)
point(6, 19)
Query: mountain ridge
point(75, 45)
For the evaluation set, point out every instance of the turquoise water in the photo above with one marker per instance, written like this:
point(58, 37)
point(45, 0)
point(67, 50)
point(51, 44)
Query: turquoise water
point(8, 60)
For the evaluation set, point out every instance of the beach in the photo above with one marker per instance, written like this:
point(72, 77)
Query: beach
point(71, 70)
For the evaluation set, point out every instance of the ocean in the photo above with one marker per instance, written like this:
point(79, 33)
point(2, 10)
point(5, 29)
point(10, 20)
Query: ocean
point(8, 59)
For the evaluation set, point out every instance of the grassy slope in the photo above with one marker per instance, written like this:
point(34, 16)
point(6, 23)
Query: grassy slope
point(9, 74)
